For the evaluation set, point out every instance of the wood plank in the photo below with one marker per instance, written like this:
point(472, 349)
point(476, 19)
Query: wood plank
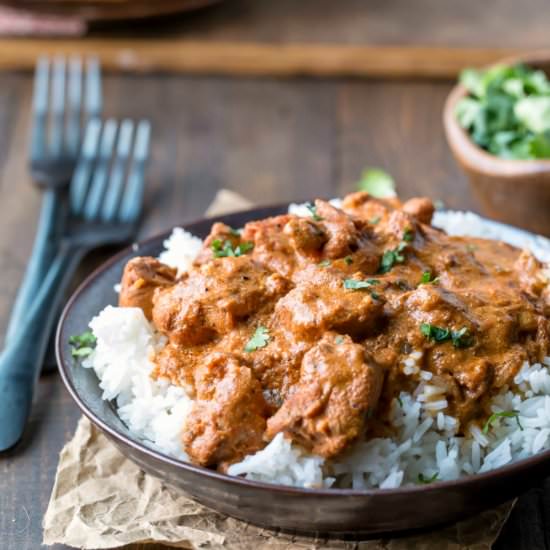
point(242, 59)
point(270, 140)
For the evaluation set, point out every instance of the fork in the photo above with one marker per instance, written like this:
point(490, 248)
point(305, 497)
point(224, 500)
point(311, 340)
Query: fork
point(65, 97)
point(105, 203)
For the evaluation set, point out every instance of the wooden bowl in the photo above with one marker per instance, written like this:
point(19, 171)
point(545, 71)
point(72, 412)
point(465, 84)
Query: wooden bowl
point(512, 191)
point(342, 512)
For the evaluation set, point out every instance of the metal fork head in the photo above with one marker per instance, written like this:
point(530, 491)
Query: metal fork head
point(106, 191)
point(67, 94)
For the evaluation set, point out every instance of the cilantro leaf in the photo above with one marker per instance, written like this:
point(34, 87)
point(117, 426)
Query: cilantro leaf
point(377, 183)
point(408, 235)
point(82, 344)
point(225, 249)
point(503, 414)
point(324, 263)
point(427, 279)
point(435, 333)
point(392, 257)
point(260, 339)
point(507, 111)
point(459, 338)
point(423, 479)
point(354, 284)
point(375, 220)
point(348, 260)
point(313, 211)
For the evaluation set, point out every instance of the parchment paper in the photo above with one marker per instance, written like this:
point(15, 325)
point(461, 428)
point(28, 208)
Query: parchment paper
point(100, 499)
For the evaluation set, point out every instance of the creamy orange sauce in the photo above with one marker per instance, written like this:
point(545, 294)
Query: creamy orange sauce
point(302, 325)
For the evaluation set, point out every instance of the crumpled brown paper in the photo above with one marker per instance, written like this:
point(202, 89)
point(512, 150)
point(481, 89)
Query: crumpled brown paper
point(100, 499)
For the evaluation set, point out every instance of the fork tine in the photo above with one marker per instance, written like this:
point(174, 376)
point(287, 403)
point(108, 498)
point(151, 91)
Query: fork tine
point(116, 180)
point(74, 93)
point(81, 177)
point(132, 200)
point(93, 88)
point(40, 108)
point(58, 105)
point(101, 172)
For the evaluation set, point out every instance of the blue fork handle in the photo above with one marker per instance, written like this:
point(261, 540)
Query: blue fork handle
point(21, 359)
point(44, 249)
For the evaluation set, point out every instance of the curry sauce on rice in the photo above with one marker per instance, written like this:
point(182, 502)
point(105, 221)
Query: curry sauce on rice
point(353, 344)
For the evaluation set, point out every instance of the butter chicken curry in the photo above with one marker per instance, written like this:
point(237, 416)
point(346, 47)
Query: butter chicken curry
point(301, 325)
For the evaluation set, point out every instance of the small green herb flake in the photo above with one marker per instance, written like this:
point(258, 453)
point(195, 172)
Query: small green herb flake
point(392, 257)
point(400, 401)
point(225, 249)
point(427, 279)
point(82, 344)
point(425, 479)
point(375, 220)
point(258, 340)
point(377, 182)
point(313, 211)
point(471, 247)
point(339, 340)
point(460, 338)
point(408, 235)
point(235, 232)
point(503, 414)
point(324, 263)
point(354, 284)
point(348, 260)
point(435, 333)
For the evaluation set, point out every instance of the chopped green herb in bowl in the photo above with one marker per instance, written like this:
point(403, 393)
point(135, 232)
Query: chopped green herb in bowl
point(507, 111)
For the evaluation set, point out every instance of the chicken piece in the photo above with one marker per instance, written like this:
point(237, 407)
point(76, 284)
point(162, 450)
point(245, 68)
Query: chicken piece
point(368, 207)
point(420, 208)
point(228, 419)
point(141, 277)
point(532, 279)
point(272, 246)
point(337, 392)
point(305, 235)
point(344, 237)
point(323, 303)
point(213, 298)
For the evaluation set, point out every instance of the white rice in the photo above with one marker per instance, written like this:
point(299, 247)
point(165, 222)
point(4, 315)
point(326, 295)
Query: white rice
point(425, 446)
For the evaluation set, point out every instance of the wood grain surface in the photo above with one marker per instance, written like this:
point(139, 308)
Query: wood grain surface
point(270, 140)
point(398, 38)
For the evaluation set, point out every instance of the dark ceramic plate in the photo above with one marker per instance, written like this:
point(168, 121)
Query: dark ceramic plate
point(335, 511)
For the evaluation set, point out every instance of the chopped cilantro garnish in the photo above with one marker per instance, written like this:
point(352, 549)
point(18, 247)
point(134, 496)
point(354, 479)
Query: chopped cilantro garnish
point(313, 211)
point(324, 263)
point(392, 257)
point(235, 232)
point(354, 284)
point(339, 339)
point(437, 334)
point(258, 340)
point(82, 344)
point(460, 338)
point(427, 278)
point(423, 479)
point(400, 401)
point(503, 414)
point(348, 260)
point(408, 235)
point(377, 183)
point(225, 249)
point(375, 220)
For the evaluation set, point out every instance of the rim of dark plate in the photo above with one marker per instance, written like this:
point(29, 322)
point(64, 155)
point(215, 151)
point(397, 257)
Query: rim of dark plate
point(471, 479)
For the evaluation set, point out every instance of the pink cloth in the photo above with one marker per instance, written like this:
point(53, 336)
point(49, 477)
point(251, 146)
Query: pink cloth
point(15, 22)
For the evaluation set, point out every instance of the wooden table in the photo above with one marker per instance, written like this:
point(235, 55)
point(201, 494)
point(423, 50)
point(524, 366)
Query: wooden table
point(270, 140)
